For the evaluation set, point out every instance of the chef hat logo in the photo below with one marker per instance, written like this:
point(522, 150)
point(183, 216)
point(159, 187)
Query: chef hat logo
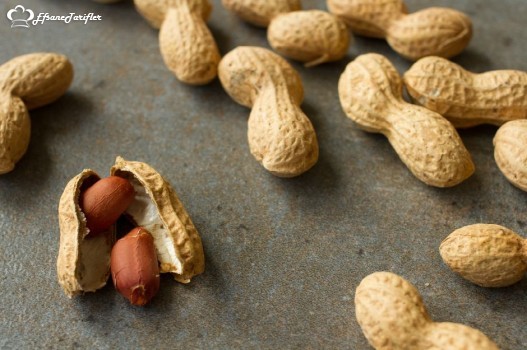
point(19, 16)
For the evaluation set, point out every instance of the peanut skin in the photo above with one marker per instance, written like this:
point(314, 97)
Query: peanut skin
point(392, 316)
point(486, 254)
point(281, 137)
point(433, 31)
point(510, 152)
point(187, 45)
point(104, 202)
point(313, 37)
point(27, 82)
point(464, 98)
point(370, 91)
point(135, 271)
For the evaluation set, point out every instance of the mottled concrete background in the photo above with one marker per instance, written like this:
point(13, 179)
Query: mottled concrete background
point(284, 256)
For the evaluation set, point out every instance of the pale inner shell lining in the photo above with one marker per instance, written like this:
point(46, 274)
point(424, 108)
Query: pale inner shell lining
point(94, 262)
point(145, 214)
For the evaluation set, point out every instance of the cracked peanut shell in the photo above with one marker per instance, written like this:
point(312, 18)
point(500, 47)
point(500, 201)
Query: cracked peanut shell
point(83, 264)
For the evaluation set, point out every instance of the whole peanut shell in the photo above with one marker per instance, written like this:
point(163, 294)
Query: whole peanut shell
point(187, 45)
point(27, 82)
point(260, 12)
point(486, 254)
point(464, 98)
point(370, 91)
point(432, 31)
point(313, 36)
point(510, 152)
point(280, 135)
point(392, 316)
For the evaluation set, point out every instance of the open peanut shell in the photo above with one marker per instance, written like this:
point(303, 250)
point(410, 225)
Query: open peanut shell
point(84, 266)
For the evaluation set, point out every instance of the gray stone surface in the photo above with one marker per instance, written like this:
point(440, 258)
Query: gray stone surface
point(284, 256)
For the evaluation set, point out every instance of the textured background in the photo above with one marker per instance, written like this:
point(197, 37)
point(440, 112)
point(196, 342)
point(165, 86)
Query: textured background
point(284, 256)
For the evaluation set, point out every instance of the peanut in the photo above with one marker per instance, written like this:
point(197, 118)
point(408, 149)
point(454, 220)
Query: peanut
point(280, 135)
point(370, 91)
point(83, 263)
point(260, 12)
point(104, 202)
point(433, 31)
point(486, 254)
point(186, 44)
point(510, 152)
point(465, 98)
point(392, 316)
point(134, 267)
point(27, 82)
point(311, 36)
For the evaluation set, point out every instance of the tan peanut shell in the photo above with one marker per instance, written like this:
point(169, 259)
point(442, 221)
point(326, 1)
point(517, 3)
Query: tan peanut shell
point(392, 316)
point(434, 31)
point(370, 91)
point(260, 12)
point(486, 254)
point(510, 152)
point(313, 36)
point(280, 135)
point(465, 98)
point(187, 45)
point(27, 82)
point(158, 209)
point(83, 264)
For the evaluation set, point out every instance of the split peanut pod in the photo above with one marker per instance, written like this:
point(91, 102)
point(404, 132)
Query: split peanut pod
point(83, 263)
point(486, 254)
point(465, 98)
point(260, 12)
point(187, 45)
point(280, 135)
point(510, 152)
point(370, 91)
point(27, 82)
point(392, 316)
point(434, 31)
point(313, 36)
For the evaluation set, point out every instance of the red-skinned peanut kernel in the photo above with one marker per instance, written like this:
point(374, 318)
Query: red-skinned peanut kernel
point(134, 266)
point(104, 202)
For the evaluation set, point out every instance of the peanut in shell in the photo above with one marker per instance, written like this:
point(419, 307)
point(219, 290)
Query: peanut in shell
point(83, 263)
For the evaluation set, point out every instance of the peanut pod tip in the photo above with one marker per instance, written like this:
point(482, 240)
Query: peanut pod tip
point(510, 152)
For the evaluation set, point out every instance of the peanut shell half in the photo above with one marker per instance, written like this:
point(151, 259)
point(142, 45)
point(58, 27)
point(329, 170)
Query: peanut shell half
point(83, 264)
point(157, 208)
